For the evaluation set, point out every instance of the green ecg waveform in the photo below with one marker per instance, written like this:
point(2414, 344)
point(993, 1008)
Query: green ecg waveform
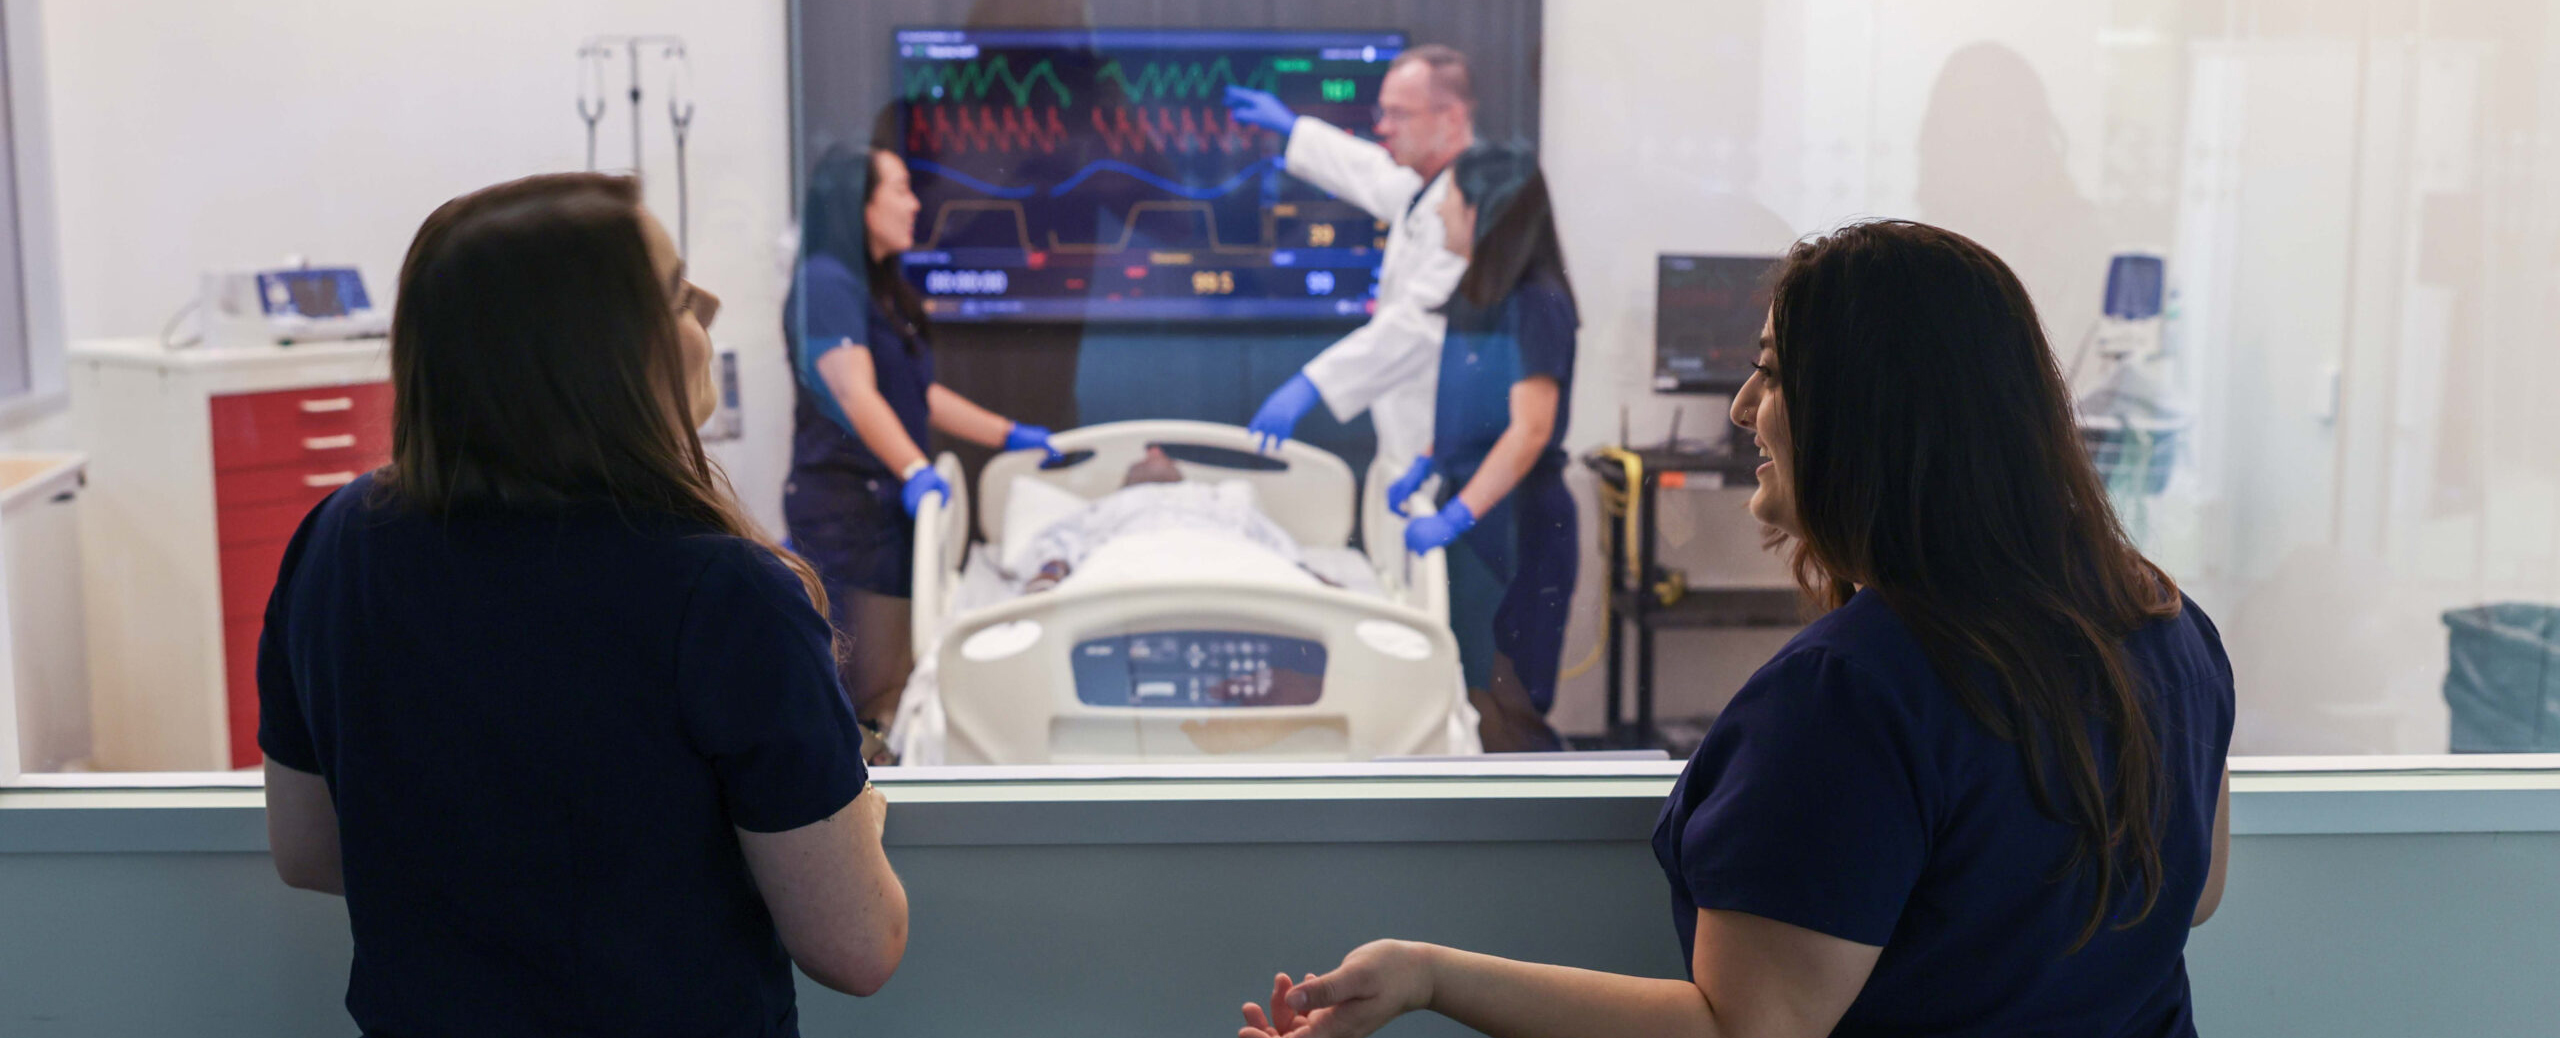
point(974, 80)
point(978, 80)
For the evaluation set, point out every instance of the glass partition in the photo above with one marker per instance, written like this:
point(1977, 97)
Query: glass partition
point(2296, 258)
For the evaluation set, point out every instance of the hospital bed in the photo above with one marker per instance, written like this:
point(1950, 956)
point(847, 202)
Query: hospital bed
point(1184, 648)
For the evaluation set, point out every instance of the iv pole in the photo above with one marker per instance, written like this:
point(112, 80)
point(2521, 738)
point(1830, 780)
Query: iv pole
point(592, 57)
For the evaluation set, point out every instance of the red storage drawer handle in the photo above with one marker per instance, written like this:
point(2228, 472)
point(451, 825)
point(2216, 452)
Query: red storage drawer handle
point(328, 479)
point(326, 405)
point(339, 442)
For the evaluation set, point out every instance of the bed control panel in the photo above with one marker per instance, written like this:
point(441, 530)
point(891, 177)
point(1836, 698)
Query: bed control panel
point(1199, 669)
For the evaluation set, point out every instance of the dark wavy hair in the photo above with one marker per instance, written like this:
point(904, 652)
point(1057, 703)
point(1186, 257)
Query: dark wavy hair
point(831, 224)
point(1936, 461)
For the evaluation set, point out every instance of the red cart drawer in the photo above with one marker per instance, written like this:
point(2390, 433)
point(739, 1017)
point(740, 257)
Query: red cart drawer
point(249, 576)
point(240, 688)
point(327, 426)
point(261, 524)
point(305, 483)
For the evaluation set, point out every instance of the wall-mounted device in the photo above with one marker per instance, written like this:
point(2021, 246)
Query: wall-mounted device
point(1707, 313)
point(728, 420)
point(289, 305)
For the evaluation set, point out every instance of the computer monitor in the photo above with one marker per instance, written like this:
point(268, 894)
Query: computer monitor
point(1707, 315)
point(1096, 175)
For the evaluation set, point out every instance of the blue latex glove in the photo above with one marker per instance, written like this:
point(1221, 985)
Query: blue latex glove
point(1436, 531)
point(1028, 437)
point(1255, 108)
point(1406, 484)
point(925, 481)
point(1280, 413)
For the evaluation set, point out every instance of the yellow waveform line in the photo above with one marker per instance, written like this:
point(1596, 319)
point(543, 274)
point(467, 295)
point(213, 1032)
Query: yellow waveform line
point(1129, 229)
point(942, 219)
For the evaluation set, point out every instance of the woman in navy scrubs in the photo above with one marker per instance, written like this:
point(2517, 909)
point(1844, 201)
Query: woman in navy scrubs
point(1985, 794)
point(866, 401)
point(536, 697)
point(1497, 442)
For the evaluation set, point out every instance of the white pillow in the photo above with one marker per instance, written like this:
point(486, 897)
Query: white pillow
point(1032, 505)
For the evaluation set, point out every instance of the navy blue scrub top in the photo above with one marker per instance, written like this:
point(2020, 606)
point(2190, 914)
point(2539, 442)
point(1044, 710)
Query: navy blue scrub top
point(1484, 353)
point(1846, 790)
point(540, 727)
point(827, 306)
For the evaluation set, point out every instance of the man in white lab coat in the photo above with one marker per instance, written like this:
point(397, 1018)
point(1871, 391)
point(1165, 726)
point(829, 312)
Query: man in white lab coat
point(1389, 367)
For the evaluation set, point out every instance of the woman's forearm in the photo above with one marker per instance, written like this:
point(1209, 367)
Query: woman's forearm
point(1510, 999)
point(1504, 466)
point(849, 377)
point(1533, 418)
point(956, 415)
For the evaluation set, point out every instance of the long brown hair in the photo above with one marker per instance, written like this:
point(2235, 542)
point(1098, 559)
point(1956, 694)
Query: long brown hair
point(1936, 461)
point(535, 361)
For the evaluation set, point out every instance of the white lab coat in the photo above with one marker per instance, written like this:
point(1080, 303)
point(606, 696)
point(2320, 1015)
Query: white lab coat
point(1390, 366)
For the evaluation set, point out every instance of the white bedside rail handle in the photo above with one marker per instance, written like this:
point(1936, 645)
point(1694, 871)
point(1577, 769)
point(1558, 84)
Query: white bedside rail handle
point(339, 442)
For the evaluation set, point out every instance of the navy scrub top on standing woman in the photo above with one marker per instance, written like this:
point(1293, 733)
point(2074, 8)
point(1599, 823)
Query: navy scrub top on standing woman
point(1846, 790)
point(842, 503)
point(541, 727)
point(1528, 544)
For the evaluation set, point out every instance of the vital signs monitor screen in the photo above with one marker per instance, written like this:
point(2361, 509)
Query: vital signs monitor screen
point(1096, 175)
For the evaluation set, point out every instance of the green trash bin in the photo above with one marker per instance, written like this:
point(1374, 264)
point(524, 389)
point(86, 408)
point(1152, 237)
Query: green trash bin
point(2503, 680)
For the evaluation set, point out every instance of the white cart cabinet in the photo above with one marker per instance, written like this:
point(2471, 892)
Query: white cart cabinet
point(201, 464)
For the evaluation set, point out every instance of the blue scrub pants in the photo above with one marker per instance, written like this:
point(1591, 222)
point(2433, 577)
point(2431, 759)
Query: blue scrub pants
point(1510, 592)
point(856, 533)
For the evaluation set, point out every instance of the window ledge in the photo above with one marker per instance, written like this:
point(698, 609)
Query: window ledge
point(1366, 803)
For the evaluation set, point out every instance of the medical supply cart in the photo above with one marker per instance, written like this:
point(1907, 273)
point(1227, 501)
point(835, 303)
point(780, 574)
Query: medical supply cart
point(1643, 596)
point(202, 463)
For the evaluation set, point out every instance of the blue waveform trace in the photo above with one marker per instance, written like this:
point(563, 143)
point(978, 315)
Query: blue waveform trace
point(970, 182)
point(1197, 194)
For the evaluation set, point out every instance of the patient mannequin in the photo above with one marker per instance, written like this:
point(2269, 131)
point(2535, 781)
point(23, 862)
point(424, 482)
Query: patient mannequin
point(1154, 496)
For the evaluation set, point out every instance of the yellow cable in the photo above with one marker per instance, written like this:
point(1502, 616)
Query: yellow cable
point(1623, 506)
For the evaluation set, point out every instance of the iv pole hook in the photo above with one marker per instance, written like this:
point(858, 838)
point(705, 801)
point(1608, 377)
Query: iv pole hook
point(680, 118)
point(591, 99)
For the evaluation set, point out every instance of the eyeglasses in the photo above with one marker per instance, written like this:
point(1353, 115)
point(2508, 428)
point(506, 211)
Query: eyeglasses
point(1396, 114)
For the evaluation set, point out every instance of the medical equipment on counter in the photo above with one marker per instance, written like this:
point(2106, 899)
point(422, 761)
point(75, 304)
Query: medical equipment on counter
point(1182, 656)
point(2129, 416)
point(728, 420)
point(593, 55)
point(280, 307)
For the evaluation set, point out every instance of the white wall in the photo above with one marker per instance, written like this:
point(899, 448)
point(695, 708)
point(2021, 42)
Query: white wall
point(201, 135)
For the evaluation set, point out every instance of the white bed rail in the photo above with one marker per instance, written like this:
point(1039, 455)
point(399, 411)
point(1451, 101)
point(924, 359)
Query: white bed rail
point(942, 544)
point(1419, 580)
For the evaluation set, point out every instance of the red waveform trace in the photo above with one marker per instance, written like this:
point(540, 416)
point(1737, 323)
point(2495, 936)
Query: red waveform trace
point(1125, 129)
point(958, 129)
point(1181, 130)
